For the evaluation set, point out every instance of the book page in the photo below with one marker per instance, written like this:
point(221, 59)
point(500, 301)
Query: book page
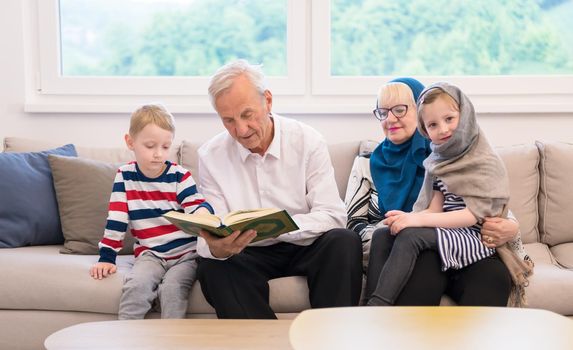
point(202, 218)
point(244, 215)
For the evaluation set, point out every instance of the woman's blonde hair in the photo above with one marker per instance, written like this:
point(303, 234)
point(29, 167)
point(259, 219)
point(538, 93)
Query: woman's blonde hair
point(151, 114)
point(395, 91)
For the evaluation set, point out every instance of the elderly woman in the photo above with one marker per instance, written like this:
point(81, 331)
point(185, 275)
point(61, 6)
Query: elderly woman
point(390, 178)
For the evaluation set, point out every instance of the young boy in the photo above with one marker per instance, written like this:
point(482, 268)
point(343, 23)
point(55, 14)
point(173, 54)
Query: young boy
point(143, 190)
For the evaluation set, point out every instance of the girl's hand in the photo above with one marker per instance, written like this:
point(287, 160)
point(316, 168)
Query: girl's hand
point(102, 270)
point(394, 213)
point(391, 217)
point(402, 221)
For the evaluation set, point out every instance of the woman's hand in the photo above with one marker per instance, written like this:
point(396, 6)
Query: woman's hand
point(496, 231)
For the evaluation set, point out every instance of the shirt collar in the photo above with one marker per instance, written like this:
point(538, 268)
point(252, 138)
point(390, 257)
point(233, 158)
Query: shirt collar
point(274, 148)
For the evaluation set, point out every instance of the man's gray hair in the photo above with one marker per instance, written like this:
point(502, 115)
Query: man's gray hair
point(225, 76)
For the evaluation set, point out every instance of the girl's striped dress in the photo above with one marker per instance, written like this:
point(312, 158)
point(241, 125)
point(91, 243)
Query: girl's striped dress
point(458, 247)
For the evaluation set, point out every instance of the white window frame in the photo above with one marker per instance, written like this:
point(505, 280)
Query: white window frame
point(307, 89)
point(490, 94)
point(56, 93)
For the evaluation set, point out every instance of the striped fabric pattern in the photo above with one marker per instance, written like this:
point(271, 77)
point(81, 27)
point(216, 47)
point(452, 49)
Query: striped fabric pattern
point(139, 202)
point(362, 200)
point(363, 210)
point(458, 247)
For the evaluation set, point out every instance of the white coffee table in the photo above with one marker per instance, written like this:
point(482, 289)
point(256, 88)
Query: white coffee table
point(430, 328)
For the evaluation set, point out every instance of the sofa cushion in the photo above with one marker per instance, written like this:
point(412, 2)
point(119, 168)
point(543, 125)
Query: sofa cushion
point(28, 207)
point(188, 154)
point(342, 156)
point(556, 192)
point(563, 253)
point(67, 286)
point(83, 188)
point(111, 154)
point(522, 162)
point(289, 294)
point(48, 280)
point(551, 286)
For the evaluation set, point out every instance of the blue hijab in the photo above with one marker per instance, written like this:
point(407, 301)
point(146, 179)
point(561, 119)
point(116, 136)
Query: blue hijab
point(398, 170)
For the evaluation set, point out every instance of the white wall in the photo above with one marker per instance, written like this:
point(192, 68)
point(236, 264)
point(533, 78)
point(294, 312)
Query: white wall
point(108, 129)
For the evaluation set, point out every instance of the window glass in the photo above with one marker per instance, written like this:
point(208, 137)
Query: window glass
point(452, 38)
point(170, 37)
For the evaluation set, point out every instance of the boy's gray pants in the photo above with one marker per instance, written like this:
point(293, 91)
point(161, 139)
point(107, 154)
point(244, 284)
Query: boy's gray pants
point(152, 277)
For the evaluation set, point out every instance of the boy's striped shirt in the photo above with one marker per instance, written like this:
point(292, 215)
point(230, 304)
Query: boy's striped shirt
point(139, 202)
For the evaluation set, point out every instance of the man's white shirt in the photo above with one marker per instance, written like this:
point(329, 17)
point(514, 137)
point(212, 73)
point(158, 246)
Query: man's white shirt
point(295, 174)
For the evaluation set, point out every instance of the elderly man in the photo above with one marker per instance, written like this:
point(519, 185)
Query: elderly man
point(265, 160)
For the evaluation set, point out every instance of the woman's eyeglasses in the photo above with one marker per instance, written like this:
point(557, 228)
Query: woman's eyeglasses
point(398, 111)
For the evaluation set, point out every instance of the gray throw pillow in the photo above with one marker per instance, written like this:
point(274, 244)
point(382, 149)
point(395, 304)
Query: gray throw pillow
point(83, 187)
point(28, 207)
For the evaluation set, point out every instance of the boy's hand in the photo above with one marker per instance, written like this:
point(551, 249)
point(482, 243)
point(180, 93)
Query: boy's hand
point(201, 210)
point(102, 269)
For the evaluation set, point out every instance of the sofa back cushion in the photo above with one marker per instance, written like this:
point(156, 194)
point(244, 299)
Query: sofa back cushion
point(521, 162)
point(109, 154)
point(556, 192)
point(342, 156)
point(83, 188)
point(189, 157)
point(28, 206)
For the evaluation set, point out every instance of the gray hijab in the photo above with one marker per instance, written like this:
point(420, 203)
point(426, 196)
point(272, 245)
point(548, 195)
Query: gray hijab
point(466, 163)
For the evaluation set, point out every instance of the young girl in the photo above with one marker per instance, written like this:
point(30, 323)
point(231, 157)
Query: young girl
point(465, 182)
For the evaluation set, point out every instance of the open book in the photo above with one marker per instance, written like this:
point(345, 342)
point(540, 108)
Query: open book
point(268, 222)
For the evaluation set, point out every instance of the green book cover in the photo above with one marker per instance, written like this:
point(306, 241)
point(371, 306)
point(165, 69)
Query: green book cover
point(268, 223)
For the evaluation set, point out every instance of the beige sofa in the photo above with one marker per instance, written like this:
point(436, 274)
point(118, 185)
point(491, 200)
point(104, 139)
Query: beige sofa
point(43, 290)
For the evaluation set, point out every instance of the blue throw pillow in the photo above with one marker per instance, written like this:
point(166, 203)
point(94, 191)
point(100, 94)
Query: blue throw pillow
point(28, 207)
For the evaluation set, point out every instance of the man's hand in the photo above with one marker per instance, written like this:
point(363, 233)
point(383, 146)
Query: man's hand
point(230, 245)
point(102, 270)
point(495, 231)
